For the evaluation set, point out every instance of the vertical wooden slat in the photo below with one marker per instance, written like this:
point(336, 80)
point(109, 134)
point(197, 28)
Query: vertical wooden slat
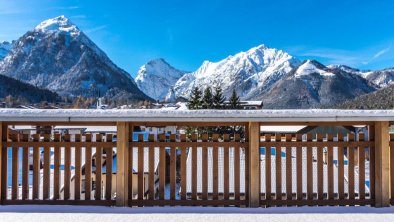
point(36, 168)
point(205, 168)
point(299, 167)
point(109, 162)
point(246, 150)
point(278, 167)
point(56, 170)
point(3, 162)
point(341, 174)
point(371, 137)
point(15, 168)
point(350, 150)
point(151, 174)
point(162, 168)
point(309, 168)
point(215, 168)
point(88, 167)
point(99, 155)
point(194, 168)
point(268, 191)
point(172, 169)
point(237, 169)
point(46, 165)
point(77, 179)
point(130, 161)
point(141, 169)
point(226, 167)
point(67, 164)
point(361, 168)
point(183, 168)
point(289, 179)
point(392, 167)
point(330, 166)
point(25, 169)
point(320, 165)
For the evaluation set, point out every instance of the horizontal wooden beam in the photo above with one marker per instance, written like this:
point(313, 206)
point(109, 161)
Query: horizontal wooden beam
point(319, 144)
point(346, 202)
point(318, 123)
point(187, 202)
point(57, 123)
point(196, 124)
point(61, 202)
point(59, 144)
point(188, 144)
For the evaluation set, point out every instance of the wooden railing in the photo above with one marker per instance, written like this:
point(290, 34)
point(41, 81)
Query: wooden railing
point(201, 174)
point(317, 169)
point(57, 169)
point(198, 164)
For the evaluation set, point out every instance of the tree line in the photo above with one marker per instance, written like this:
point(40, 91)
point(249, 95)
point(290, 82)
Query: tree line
point(212, 99)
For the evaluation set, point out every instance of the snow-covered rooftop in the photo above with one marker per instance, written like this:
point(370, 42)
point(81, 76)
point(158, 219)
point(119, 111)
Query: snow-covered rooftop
point(152, 115)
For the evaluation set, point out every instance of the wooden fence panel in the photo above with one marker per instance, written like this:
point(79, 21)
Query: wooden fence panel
point(321, 175)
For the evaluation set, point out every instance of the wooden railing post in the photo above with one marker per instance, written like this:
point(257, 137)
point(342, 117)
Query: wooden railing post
point(1, 166)
point(382, 165)
point(254, 164)
point(122, 171)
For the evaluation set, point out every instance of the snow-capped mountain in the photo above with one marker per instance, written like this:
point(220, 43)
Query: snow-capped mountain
point(250, 73)
point(58, 56)
point(156, 78)
point(381, 78)
point(5, 48)
point(312, 85)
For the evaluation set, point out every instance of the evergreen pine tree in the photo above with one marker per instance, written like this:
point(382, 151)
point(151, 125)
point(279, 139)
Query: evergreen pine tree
point(195, 99)
point(218, 98)
point(234, 100)
point(207, 101)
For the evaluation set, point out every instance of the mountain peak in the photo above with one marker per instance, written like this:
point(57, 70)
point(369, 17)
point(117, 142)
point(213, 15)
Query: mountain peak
point(156, 77)
point(60, 23)
point(310, 67)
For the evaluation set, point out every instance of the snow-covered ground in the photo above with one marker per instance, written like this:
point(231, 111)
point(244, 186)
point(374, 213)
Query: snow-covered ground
point(200, 214)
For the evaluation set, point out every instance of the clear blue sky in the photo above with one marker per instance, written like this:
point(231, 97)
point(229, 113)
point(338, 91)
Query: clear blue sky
point(185, 33)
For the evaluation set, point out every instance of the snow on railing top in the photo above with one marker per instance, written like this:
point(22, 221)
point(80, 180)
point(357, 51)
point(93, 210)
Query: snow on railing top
point(153, 115)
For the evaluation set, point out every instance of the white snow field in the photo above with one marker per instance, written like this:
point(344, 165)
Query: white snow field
point(198, 214)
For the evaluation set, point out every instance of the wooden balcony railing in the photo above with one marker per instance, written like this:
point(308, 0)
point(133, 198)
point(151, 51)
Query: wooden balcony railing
point(192, 158)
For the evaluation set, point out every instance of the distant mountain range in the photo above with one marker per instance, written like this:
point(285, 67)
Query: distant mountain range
point(273, 76)
point(58, 58)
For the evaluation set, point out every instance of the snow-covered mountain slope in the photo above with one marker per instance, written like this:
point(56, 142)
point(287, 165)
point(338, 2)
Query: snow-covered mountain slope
point(5, 48)
point(58, 56)
point(156, 78)
point(381, 78)
point(250, 73)
point(312, 85)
